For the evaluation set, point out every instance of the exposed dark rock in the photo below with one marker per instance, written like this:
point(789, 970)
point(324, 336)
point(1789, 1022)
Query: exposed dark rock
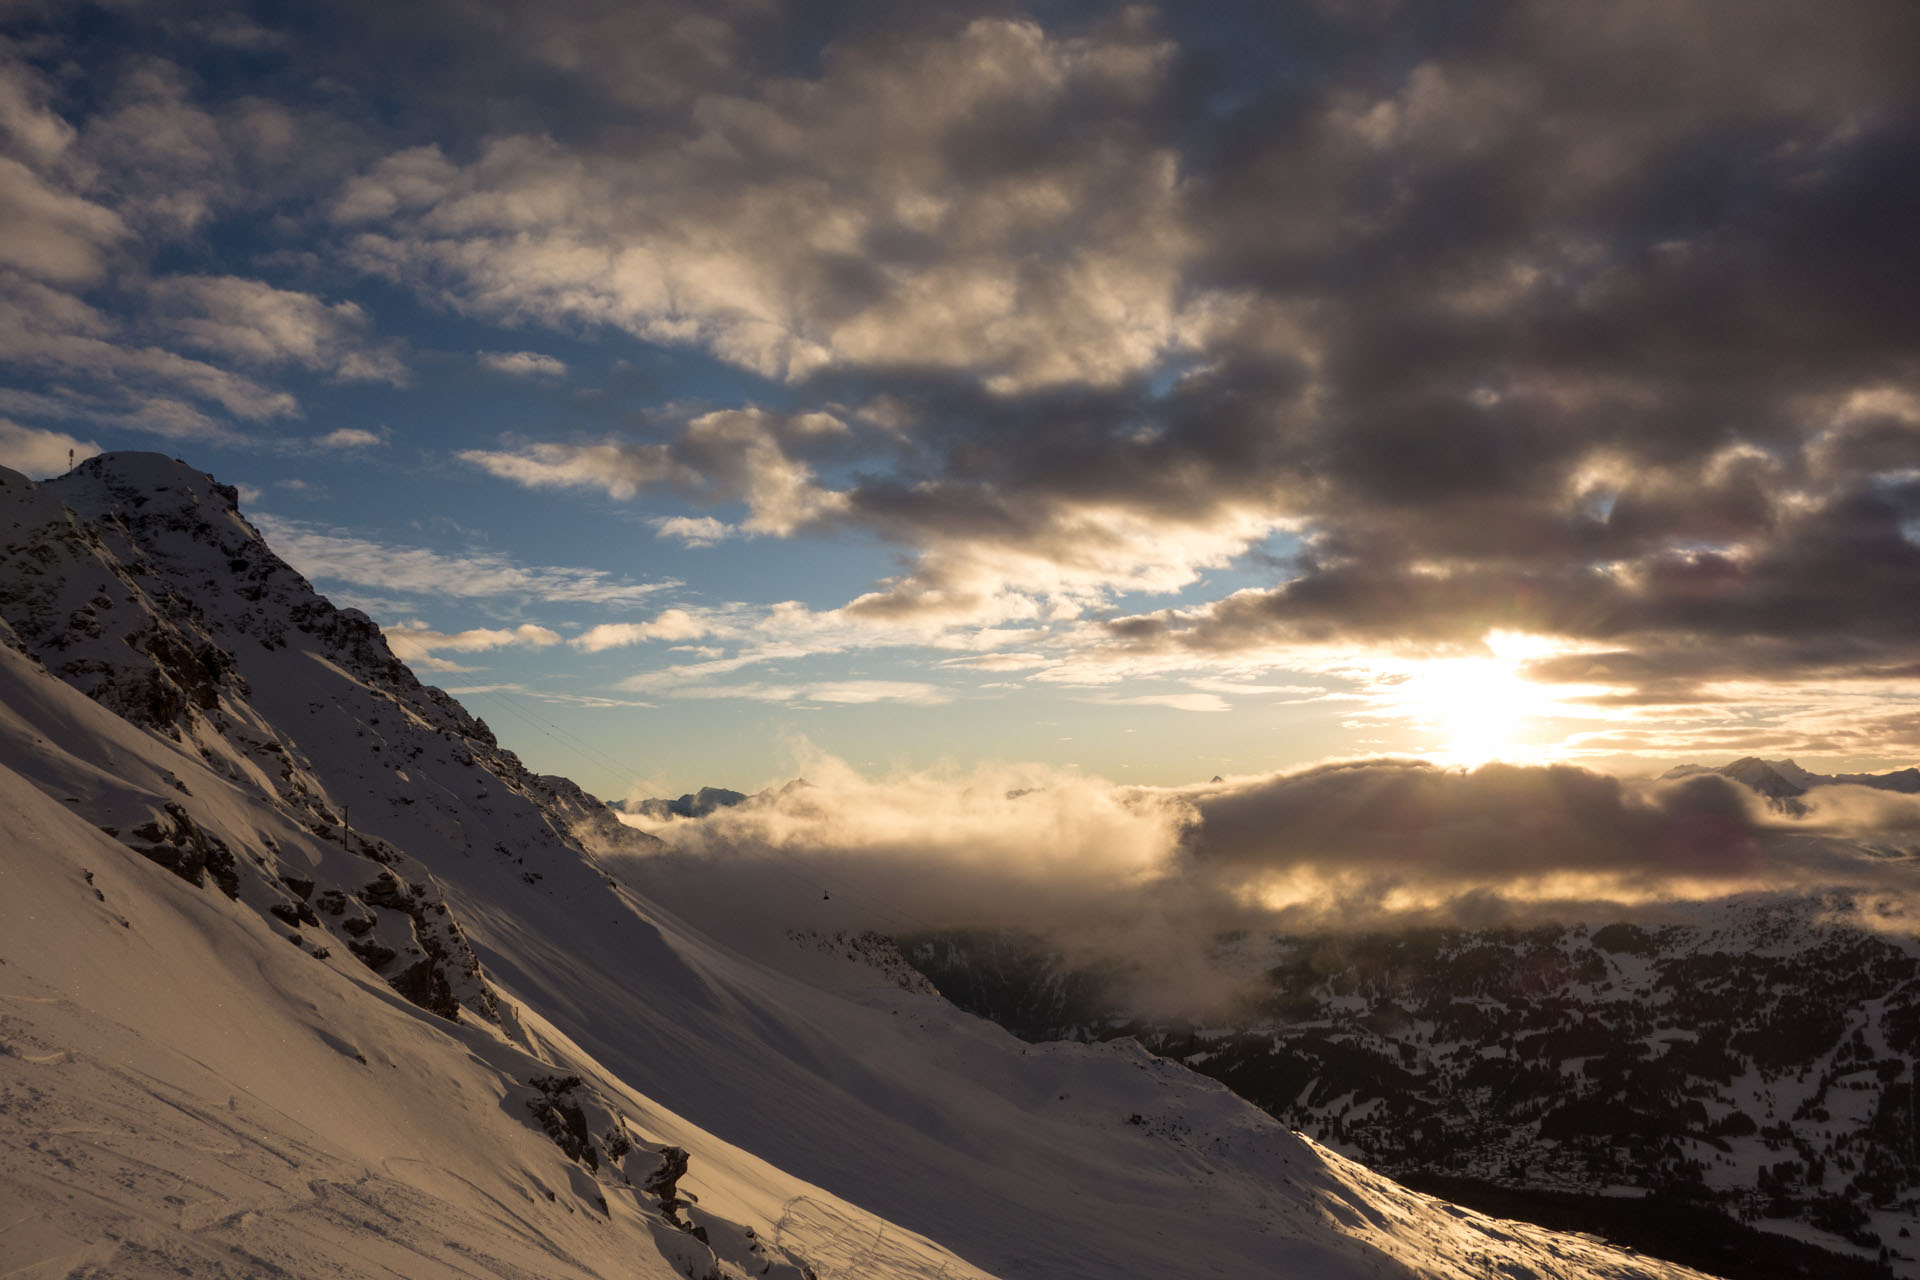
point(182, 846)
point(664, 1182)
point(563, 1119)
point(423, 984)
point(373, 955)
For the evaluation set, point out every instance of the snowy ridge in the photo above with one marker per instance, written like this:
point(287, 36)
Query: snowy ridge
point(1784, 781)
point(302, 974)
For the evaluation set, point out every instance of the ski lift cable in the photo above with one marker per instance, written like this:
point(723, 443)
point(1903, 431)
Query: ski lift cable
point(579, 746)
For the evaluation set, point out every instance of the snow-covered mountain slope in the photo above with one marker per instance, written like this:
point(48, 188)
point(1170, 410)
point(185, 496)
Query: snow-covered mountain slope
point(1751, 1058)
point(183, 1092)
point(301, 974)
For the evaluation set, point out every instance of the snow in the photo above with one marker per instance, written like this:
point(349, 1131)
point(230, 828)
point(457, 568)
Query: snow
point(212, 1084)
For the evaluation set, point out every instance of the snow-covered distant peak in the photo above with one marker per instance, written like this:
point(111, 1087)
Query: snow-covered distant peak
point(1785, 780)
point(1795, 775)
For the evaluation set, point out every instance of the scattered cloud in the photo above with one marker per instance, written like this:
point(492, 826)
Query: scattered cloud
point(686, 683)
point(999, 662)
point(352, 438)
point(255, 323)
point(1177, 701)
point(522, 364)
point(863, 691)
point(730, 455)
point(331, 555)
point(412, 641)
point(785, 228)
point(694, 531)
point(668, 624)
point(617, 470)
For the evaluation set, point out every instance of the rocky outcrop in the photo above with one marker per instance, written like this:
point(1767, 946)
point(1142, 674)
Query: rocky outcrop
point(181, 845)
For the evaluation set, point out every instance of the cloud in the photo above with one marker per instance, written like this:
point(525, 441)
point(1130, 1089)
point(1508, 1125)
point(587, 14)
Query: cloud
point(351, 438)
point(255, 323)
point(1416, 821)
point(835, 692)
point(1012, 844)
point(523, 364)
point(1647, 391)
point(786, 227)
point(53, 235)
point(39, 454)
point(619, 471)
point(1177, 701)
point(694, 531)
point(668, 624)
point(330, 555)
point(415, 641)
point(90, 205)
point(52, 332)
point(731, 455)
point(26, 118)
point(999, 662)
point(864, 691)
point(538, 695)
point(1144, 880)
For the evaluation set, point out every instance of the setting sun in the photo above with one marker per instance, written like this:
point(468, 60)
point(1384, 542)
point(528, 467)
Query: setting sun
point(1477, 709)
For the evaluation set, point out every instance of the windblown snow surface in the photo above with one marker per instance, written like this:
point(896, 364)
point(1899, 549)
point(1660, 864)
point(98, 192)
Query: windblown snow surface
point(301, 974)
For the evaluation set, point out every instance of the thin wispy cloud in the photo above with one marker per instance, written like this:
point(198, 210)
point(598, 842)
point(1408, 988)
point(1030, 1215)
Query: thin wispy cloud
point(833, 692)
point(1176, 701)
point(329, 555)
point(352, 438)
point(671, 625)
point(415, 641)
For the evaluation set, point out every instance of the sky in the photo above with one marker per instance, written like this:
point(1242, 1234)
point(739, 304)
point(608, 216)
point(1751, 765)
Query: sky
point(1144, 393)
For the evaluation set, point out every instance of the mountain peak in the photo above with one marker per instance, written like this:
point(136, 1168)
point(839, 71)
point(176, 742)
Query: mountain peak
point(135, 474)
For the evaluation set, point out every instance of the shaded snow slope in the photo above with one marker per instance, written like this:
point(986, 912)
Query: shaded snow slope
point(183, 1091)
point(386, 1003)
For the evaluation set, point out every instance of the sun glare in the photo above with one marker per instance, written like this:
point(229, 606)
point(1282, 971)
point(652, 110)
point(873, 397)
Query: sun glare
point(1480, 709)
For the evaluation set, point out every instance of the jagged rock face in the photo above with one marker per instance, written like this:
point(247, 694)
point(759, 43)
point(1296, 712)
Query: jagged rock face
point(137, 580)
point(1762, 1064)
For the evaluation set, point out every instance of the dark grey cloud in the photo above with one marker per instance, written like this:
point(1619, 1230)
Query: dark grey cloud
point(1415, 821)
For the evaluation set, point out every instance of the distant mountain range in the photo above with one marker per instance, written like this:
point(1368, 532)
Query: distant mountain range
point(1783, 779)
point(694, 804)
